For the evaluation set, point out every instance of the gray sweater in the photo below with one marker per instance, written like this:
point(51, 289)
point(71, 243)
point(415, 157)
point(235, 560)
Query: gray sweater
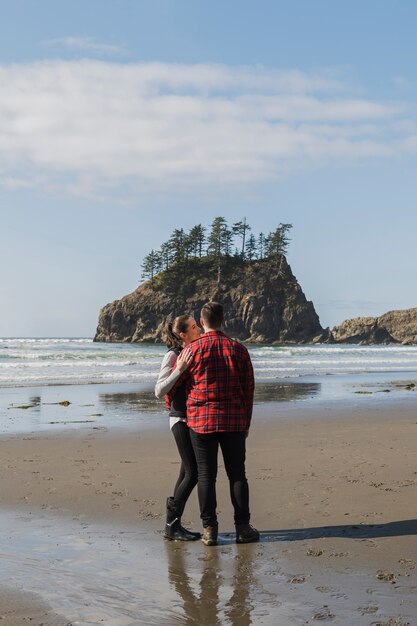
point(167, 377)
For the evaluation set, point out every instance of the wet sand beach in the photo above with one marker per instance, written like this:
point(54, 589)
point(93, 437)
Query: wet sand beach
point(333, 492)
point(18, 608)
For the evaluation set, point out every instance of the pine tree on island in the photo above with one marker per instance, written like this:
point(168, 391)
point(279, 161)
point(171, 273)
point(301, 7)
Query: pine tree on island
point(211, 254)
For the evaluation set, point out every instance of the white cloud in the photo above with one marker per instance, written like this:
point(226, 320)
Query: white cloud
point(91, 127)
point(86, 45)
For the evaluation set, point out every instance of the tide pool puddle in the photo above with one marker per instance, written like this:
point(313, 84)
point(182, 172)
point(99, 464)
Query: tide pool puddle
point(97, 574)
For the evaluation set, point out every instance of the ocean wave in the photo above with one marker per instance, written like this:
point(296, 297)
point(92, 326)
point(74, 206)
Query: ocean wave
point(42, 365)
point(334, 363)
point(58, 356)
point(43, 340)
point(332, 349)
point(51, 361)
point(38, 379)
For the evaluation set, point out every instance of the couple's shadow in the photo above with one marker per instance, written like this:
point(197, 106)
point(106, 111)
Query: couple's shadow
point(398, 528)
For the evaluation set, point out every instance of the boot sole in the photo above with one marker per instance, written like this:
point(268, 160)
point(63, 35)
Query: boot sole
point(181, 538)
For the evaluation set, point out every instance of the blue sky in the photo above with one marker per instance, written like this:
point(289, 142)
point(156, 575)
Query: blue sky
point(120, 121)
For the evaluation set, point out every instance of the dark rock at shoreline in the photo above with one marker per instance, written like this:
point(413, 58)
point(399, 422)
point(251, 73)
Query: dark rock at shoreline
point(392, 327)
point(263, 304)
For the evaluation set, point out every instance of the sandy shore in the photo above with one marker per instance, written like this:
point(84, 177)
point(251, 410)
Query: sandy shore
point(334, 497)
point(19, 608)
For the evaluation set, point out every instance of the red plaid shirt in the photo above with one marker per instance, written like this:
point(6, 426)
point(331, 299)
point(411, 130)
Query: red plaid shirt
point(220, 385)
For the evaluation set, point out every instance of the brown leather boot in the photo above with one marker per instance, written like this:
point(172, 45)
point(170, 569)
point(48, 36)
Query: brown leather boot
point(209, 537)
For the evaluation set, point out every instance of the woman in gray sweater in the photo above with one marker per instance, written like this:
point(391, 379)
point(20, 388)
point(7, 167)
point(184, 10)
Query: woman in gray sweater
point(180, 333)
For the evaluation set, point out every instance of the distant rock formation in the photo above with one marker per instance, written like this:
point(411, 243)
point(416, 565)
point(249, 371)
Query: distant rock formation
point(263, 303)
point(392, 327)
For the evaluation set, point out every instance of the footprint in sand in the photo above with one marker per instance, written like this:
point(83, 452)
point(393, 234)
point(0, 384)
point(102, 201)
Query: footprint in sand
point(324, 615)
point(387, 577)
point(368, 610)
point(297, 579)
point(314, 552)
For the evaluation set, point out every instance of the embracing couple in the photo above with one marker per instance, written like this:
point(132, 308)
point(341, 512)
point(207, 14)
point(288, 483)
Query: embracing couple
point(208, 383)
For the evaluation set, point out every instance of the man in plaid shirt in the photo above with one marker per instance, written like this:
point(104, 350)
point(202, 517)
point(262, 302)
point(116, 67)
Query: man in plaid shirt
point(220, 387)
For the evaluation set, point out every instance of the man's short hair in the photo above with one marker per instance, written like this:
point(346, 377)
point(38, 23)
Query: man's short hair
point(212, 314)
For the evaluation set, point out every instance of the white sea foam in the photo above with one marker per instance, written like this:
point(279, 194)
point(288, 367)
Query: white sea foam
point(29, 361)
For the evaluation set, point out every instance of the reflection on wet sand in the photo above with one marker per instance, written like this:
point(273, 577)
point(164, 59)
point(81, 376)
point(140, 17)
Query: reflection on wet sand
point(285, 392)
point(144, 401)
point(137, 401)
point(201, 605)
point(203, 594)
point(239, 607)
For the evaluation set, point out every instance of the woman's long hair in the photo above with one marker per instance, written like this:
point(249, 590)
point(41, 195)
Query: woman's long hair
point(173, 330)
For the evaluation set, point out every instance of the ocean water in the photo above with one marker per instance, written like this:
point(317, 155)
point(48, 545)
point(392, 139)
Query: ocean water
point(27, 362)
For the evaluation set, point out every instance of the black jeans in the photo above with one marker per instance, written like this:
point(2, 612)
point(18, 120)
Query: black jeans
point(233, 446)
point(188, 477)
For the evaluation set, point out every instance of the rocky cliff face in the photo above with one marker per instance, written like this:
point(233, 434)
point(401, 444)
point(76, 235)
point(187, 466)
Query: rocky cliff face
point(262, 303)
point(393, 327)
